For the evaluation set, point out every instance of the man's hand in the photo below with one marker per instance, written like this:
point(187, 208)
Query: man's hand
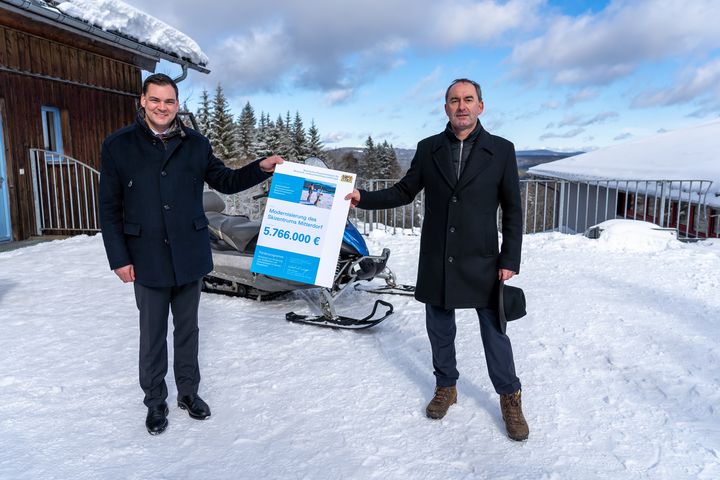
point(126, 273)
point(505, 275)
point(268, 165)
point(354, 197)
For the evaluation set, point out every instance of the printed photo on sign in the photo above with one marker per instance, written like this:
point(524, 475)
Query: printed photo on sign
point(318, 194)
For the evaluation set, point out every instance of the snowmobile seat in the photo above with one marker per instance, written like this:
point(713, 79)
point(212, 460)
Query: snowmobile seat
point(212, 202)
point(238, 232)
point(235, 230)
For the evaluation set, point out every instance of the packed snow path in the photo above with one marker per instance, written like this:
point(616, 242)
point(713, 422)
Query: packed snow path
point(619, 358)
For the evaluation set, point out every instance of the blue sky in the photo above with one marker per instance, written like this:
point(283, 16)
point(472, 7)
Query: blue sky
point(563, 75)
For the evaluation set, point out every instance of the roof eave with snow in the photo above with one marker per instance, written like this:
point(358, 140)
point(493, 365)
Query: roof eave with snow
point(684, 154)
point(83, 28)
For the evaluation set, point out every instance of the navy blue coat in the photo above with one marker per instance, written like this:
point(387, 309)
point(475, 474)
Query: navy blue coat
point(151, 211)
point(459, 254)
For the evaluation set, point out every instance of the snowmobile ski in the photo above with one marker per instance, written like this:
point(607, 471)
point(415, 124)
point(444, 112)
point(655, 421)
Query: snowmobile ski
point(339, 321)
point(389, 289)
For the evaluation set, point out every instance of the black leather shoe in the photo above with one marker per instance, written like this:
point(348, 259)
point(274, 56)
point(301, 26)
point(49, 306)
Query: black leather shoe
point(156, 421)
point(195, 406)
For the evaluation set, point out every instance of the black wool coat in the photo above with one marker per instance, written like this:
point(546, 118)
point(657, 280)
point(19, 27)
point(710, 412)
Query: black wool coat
point(151, 211)
point(459, 254)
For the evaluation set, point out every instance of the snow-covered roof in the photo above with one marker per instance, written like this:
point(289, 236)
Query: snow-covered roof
point(686, 154)
point(117, 16)
point(119, 23)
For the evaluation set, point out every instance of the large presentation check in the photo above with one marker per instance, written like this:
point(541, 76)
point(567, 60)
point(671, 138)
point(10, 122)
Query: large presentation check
point(303, 224)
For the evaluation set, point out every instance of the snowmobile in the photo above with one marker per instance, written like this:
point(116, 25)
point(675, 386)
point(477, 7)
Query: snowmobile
point(233, 239)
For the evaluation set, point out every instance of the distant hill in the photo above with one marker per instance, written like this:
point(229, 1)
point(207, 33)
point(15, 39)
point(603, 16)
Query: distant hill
point(530, 158)
point(545, 153)
point(525, 158)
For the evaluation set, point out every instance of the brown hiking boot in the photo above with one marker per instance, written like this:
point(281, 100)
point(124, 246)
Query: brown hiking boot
point(438, 406)
point(515, 424)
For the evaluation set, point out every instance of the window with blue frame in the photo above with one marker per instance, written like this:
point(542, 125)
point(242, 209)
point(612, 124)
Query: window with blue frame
point(52, 134)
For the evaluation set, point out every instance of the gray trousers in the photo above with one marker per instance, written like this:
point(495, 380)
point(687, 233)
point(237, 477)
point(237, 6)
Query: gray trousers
point(154, 304)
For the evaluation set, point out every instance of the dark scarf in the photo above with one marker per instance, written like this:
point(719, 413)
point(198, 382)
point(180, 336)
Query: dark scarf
point(467, 146)
point(175, 129)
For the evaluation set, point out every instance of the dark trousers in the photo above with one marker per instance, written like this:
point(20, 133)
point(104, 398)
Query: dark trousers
point(154, 304)
point(440, 323)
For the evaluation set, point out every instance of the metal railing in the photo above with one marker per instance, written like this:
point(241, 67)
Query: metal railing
point(65, 191)
point(575, 206)
point(407, 218)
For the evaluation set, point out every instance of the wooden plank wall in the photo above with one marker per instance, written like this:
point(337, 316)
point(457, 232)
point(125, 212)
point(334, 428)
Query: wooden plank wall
point(29, 53)
point(88, 115)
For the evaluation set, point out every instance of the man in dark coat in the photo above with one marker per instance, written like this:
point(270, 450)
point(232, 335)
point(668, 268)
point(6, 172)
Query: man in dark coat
point(155, 235)
point(467, 174)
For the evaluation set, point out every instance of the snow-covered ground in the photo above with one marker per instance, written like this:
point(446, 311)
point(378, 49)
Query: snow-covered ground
point(619, 358)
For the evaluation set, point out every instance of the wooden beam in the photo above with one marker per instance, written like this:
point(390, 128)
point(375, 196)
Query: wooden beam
point(50, 32)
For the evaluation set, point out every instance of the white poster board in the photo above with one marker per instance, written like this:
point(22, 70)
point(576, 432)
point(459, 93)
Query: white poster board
point(303, 224)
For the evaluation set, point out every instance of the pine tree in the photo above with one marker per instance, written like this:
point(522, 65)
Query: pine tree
point(387, 163)
point(262, 137)
point(272, 136)
point(246, 133)
point(369, 162)
point(299, 141)
point(288, 125)
point(395, 170)
point(184, 116)
point(222, 128)
point(382, 159)
point(282, 140)
point(347, 163)
point(314, 145)
point(202, 116)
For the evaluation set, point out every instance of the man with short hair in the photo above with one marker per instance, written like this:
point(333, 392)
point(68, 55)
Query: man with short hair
point(156, 235)
point(467, 174)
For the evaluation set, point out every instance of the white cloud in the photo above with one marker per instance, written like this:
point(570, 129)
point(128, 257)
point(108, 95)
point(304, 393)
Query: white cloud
point(385, 136)
point(706, 110)
point(338, 96)
point(699, 83)
point(493, 123)
point(255, 61)
point(429, 80)
point(582, 95)
point(623, 136)
point(598, 49)
point(453, 22)
point(336, 137)
point(330, 45)
point(569, 134)
point(584, 121)
point(551, 104)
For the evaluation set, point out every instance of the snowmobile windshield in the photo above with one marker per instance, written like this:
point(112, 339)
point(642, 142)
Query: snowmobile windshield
point(315, 162)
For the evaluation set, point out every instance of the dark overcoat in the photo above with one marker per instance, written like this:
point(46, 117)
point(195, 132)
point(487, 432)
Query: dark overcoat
point(151, 211)
point(459, 254)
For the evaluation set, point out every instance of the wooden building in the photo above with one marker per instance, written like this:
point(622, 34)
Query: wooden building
point(64, 86)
